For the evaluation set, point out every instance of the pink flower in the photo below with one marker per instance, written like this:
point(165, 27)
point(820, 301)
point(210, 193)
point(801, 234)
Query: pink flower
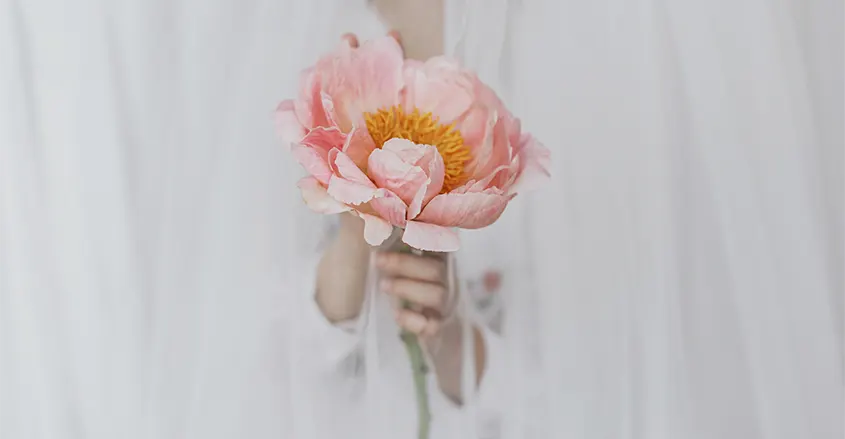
point(422, 146)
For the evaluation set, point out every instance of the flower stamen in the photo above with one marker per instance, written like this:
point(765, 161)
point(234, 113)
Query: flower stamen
point(423, 129)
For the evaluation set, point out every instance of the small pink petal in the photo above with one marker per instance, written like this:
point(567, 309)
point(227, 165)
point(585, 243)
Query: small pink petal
point(317, 199)
point(359, 144)
point(312, 162)
point(430, 237)
point(498, 178)
point(376, 230)
point(416, 205)
point(324, 139)
point(406, 150)
point(532, 166)
point(497, 152)
point(328, 109)
point(309, 107)
point(389, 171)
point(436, 170)
point(287, 124)
point(350, 192)
point(471, 210)
point(347, 169)
point(390, 207)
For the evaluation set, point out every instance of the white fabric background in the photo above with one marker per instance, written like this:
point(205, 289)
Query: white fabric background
point(680, 278)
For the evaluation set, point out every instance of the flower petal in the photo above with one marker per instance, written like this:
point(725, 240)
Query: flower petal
point(317, 199)
point(390, 172)
point(350, 192)
point(362, 79)
point(359, 145)
point(416, 205)
point(287, 124)
point(390, 207)
point(531, 168)
point(431, 237)
point(498, 178)
point(346, 168)
point(376, 229)
point(309, 107)
point(439, 86)
point(436, 171)
point(324, 139)
point(496, 151)
point(311, 161)
point(471, 210)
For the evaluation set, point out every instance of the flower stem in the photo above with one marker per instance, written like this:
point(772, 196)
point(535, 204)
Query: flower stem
point(412, 344)
point(417, 357)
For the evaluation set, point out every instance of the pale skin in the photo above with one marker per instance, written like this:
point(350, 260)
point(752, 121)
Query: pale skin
point(418, 280)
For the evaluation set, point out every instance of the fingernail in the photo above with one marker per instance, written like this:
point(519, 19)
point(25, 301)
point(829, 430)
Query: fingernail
point(385, 285)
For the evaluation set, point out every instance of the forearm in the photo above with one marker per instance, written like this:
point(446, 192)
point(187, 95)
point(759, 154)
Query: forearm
point(447, 359)
point(342, 272)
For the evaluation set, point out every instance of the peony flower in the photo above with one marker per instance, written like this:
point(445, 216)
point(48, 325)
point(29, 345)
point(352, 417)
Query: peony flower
point(423, 146)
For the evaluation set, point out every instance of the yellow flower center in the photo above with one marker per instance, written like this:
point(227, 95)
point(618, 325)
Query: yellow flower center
point(424, 129)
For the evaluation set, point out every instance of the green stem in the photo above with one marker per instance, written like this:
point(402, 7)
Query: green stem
point(418, 366)
point(412, 344)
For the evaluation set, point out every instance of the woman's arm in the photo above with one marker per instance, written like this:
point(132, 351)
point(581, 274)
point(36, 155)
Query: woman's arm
point(342, 272)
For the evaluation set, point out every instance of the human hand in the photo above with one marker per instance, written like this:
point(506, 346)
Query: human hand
point(419, 283)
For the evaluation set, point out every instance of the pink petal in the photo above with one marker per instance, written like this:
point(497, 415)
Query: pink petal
point(439, 86)
point(328, 109)
point(532, 166)
point(417, 202)
point(477, 130)
point(376, 230)
point(350, 192)
point(309, 106)
point(380, 62)
point(323, 140)
point(407, 150)
point(359, 144)
point(363, 79)
point(317, 199)
point(471, 210)
point(389, 171)
point(436, 175)
point(311, 161)
point(430, 237)
point(432, 163)
point(496, 152)
point(416, 157)
point(498, 179)
point(287, 124)
point(347, 169)
point(390, 207)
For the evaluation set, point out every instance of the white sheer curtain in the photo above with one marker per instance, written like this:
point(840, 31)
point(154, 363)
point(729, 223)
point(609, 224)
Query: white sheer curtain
point(680, 278)
point(146, 213)
point(689, 255)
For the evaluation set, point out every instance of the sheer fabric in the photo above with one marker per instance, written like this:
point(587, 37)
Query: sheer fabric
point(147, 212)
point(688, 255)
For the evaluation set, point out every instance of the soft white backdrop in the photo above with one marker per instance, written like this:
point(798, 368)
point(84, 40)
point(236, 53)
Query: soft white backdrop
point(680, 278)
